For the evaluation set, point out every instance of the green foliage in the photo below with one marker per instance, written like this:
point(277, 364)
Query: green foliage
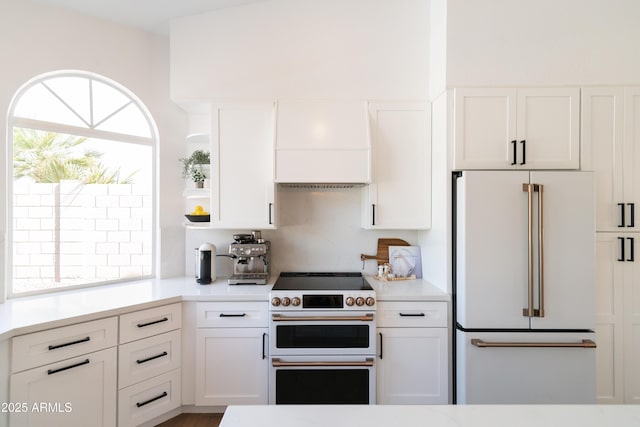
point(192, 165)
point(48, 157)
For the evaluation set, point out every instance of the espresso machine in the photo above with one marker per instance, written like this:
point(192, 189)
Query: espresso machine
point(251, 259)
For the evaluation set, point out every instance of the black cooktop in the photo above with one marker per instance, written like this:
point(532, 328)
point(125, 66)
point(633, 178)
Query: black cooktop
point(346, 281)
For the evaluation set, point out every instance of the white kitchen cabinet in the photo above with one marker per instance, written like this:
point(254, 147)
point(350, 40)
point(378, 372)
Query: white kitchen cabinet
point(399, 196)
point(232, 365)
point(508, 128)
point(610, 147)
point(610, 283)
point(618, 318)
point(149, 359)
point(610, 138)
point(77, 386)
point(412, 367)
point(242, 187)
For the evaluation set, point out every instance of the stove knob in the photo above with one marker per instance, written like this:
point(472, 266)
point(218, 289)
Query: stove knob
point(286, 301)
point(295, 301)
point(370, 301)
point(275, 301)
point(359, 301)
point(350, 301)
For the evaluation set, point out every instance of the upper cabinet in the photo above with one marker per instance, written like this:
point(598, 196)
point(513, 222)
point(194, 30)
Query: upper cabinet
point(611, 148)
point(322, 141)
point(399, 196)
point(242, 189)
point(505, 128)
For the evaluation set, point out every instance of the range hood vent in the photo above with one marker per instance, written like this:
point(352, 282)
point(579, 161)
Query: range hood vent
point(323, 186)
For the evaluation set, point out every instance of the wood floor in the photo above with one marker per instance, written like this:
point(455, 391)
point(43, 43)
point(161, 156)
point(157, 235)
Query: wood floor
point(193, 420)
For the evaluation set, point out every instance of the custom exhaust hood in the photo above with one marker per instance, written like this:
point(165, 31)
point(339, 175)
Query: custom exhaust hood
point(322, 143)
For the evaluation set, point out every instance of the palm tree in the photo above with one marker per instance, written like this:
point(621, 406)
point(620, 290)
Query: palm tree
point(49, 157)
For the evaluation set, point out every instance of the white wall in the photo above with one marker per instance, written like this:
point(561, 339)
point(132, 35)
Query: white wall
point(37, 39)
point(303, 48)
point(436, 243)
point(542, 42)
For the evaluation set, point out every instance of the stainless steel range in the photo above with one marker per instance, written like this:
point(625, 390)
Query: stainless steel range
point(322, 339)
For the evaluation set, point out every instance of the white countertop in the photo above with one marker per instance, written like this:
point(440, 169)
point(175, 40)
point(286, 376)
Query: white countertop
point(436, 415)
point(407, 290)
point(29, 314)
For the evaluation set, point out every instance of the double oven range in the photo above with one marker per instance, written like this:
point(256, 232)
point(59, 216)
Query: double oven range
point(322, 341)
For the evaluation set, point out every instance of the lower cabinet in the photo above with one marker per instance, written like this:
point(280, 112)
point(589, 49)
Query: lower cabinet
point(149, 357)
point(232, 366)
point(412, 366)
point(149, 399)
point(77, 386)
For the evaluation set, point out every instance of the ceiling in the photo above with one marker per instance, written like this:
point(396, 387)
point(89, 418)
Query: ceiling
point(149, 15)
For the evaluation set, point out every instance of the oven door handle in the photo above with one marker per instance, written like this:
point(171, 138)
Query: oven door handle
point(277, 363)
point(280, 318)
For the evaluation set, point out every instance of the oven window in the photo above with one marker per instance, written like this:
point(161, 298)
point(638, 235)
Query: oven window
point(322, 386)
point(322, 336)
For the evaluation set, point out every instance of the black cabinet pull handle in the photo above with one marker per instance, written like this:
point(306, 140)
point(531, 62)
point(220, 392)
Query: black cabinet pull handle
point(515, 151)
point(621, 206)
point(373, 214)
point(53, 347)
point(632, 213)
point(270, 216)
point(411, 314)
point(524, 152)
point(380, 334)
point(55, 371)
point(233, 315)
point(142, 325)
point(631, 245)
point(264, 354)
point(146, 402)
point(621, 240)
point(149, 359)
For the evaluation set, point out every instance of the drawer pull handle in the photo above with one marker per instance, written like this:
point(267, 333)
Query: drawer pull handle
point(233, 315)
point(55, 371)
point(146, 402)
point(412, 315)
point(149, 359)
point(54, 347)
point(142, 325)
point(484, 344)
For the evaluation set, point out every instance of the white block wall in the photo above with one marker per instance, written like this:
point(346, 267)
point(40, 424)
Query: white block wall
point(72, 233)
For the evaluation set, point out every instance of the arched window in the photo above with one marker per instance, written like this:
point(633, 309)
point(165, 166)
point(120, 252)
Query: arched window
point(83, 150)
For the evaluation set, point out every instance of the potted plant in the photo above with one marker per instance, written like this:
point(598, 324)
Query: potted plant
point(192, 167)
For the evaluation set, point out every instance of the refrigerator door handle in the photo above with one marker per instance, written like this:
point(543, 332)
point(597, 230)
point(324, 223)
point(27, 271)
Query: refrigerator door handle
point(531, 311)
point(540, 189)
point(491, 344)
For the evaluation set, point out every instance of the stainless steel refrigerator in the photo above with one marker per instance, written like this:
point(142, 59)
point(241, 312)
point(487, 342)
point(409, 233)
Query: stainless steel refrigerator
point(524, 287)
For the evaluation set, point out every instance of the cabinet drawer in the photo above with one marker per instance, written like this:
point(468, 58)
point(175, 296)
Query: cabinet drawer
point(418, 314)
point(149, 399)
point(232, 314)
point(143, 359)
point(81, 390)
point(146, 323)
point(53, 345)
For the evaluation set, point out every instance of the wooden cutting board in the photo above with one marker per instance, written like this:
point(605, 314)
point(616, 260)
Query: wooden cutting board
point(383, 250)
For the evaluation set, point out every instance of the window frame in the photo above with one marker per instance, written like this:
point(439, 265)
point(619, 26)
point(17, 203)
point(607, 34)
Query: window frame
point(89, 132)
